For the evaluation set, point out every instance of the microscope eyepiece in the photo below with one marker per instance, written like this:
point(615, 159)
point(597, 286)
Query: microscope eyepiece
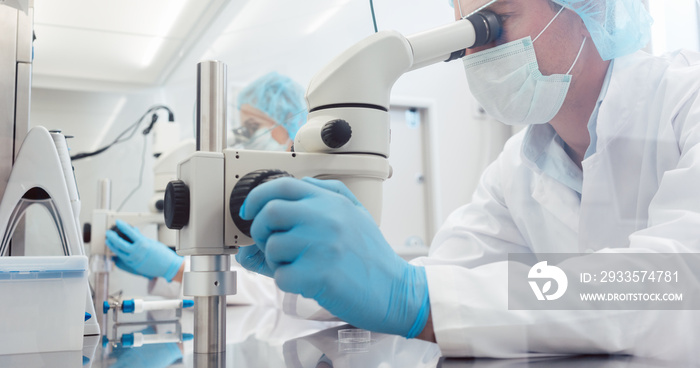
point(487, 26)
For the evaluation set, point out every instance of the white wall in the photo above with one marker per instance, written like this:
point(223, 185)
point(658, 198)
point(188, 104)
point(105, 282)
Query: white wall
point(676, 25)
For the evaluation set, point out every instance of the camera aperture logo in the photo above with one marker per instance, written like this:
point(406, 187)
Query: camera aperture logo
point(540, 272)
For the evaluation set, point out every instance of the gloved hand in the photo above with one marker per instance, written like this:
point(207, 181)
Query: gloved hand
point(316, 239)
point(142, 256)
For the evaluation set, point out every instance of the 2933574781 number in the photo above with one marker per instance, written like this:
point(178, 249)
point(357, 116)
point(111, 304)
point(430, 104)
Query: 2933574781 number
point(639, 276)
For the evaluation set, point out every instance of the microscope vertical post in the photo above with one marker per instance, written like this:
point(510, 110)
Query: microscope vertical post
point(210, 311)
point(100, 263)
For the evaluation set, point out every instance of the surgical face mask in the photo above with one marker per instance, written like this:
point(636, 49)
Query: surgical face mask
point(238, 137)
point(507, 82)
point(262, 140)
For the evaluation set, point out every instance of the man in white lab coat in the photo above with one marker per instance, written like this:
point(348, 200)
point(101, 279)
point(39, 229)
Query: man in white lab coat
point(609, 163)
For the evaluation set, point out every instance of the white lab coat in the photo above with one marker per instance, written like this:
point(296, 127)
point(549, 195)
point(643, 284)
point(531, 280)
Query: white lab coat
point(641, 192)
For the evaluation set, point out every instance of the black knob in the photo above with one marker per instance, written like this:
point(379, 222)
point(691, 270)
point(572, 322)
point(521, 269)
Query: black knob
point(121, 234)
point(159, 205)
point(336, 133)
point(176, 206)
point(240, 191)
point(87, 232)
point(487, 26)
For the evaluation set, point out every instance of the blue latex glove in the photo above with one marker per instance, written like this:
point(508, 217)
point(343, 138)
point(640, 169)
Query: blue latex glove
point(142, 256)
point(316, 239)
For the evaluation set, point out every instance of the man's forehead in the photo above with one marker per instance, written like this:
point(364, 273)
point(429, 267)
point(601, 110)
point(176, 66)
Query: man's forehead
point(471, 6)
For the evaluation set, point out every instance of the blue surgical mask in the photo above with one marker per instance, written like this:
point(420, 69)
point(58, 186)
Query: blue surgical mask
point(507, 82)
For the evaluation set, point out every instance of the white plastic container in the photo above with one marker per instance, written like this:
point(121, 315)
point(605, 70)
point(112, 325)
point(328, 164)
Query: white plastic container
point(42, 303)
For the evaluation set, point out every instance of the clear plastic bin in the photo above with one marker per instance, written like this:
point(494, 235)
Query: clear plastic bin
point(42, 303)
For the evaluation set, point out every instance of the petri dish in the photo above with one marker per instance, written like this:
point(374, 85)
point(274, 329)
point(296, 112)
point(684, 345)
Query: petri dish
point(354, 340)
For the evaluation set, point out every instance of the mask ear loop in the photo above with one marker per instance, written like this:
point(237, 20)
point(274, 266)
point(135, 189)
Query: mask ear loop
point(254, 138)
point(549, 24)
point(578, 55)
point(459, 6)
point(579, 50)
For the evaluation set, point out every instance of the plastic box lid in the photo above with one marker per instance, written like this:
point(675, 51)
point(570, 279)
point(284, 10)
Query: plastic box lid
point(41, 264)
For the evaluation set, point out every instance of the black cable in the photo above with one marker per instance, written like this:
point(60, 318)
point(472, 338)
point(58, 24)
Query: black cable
point(143, 164)
point(374, 19)
point(116, 140)
point(131, 129)
point(154, 118)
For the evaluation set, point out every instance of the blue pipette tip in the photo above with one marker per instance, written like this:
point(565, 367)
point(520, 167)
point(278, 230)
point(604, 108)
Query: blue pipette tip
point(87, 316)
point(105, 340)
point(187, 337)
point(128, 306)
point(127, 340)
point(186, 303)
point(86, 360)
point(105, 307)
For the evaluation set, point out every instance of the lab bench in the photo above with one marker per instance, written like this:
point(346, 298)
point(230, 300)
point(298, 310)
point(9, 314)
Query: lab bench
point(266, 337)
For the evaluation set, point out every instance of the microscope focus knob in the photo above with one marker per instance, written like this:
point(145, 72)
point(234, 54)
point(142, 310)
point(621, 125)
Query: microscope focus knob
point(176, 206)
point(87, 232)
point(336, 133)
point(240, 191)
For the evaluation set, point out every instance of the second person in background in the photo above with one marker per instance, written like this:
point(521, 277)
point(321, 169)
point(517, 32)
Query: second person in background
point(272, 109)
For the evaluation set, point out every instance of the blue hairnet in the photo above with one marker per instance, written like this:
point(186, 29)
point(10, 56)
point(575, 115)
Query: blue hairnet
point(618, 27)
point(280, 98)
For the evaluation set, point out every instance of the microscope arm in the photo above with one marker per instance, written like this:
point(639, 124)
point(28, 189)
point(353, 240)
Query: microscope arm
point(356, 86)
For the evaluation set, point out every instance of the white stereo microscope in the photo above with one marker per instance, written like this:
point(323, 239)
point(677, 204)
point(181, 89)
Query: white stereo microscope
point(346, 138)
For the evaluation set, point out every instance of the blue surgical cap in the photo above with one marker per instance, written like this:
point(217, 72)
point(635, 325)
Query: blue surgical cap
point(618, 27)
point(280, 98)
